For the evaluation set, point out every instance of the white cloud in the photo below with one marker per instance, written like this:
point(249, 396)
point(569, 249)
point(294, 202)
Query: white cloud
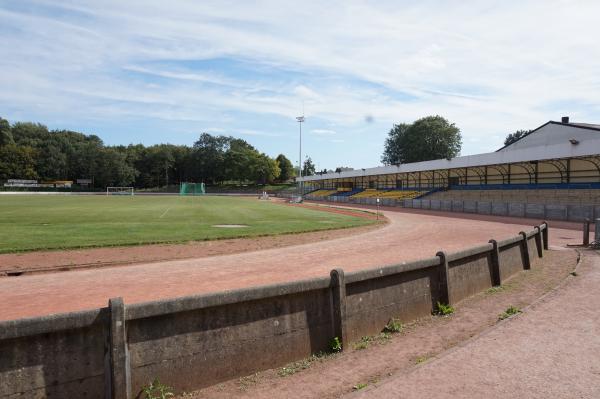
point(489, 67)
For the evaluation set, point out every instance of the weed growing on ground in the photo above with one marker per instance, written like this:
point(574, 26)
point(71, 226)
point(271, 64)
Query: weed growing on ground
point(420, 359)
point(382, 338)
point(294, 367)
point(360, 385)
point(363, 343)
point(443, 310)
point(247, 381)
point(510, 311)
point(157, 390)
point(493, 290)
point(335, 345)
point(393, 326)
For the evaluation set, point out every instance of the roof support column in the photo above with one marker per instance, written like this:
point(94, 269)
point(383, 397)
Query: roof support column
point(486, 175)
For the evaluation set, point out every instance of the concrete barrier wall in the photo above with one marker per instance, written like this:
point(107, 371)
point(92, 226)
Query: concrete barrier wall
point(446, 205)
point(516, 209)
point(405, 291)
point(59, 356)
point(574, 213)
point(499, 208)
point(205, 346)
point(532, 249)
point(579, 213)
point(469, 206)
point(196, 341)
point(538, 211)
point(484, 208)
point(510, 257)
point(556, 212)
point(426, 204)
point(470, 272)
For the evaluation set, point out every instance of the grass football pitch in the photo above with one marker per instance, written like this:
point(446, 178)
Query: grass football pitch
point(60, 222)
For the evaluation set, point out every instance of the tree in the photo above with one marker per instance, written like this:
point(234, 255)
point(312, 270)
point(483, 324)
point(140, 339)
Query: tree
point(287, 170)
point(30, 150)
point(512, 137)
point(208, 158)
point(6, 136)
point(17, 162)
point(264, 169)
point(308, 169)
point(432, 137)
point(113, 169)
point(342, 169)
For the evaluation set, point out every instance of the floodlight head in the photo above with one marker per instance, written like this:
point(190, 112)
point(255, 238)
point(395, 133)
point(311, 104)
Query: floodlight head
point(300, 118)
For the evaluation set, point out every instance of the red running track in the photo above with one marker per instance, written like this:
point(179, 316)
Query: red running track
point(408, 236)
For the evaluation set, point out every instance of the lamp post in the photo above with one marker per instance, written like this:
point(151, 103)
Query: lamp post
point(300, 119)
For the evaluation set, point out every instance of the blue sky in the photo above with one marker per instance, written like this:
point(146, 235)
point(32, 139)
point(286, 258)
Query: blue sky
point(163, 72)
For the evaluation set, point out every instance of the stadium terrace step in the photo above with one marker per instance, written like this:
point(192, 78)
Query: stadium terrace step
point(323, 193)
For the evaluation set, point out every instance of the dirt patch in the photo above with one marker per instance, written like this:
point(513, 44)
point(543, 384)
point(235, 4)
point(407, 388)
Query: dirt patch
point(336, 375)
point(54, 261)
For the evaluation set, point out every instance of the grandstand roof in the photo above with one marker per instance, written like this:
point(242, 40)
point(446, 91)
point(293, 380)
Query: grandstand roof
point(552, 140)
point(548, 128)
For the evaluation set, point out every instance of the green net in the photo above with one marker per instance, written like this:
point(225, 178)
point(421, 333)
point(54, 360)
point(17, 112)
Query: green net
point(191, 189)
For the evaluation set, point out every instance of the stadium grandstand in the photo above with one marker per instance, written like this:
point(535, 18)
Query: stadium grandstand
point(557, 163)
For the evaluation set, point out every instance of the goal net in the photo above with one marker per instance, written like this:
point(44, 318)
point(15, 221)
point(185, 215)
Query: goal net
point(119, 190)
point(192, 189)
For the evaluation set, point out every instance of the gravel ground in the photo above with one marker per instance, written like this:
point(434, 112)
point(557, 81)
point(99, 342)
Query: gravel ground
point(551, 350)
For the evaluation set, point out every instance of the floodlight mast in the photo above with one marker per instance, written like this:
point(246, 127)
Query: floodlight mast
point(300, 119)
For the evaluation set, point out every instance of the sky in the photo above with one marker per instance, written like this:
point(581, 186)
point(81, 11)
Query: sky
point(151, 71)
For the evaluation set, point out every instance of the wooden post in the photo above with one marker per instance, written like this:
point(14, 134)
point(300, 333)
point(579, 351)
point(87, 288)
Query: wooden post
point(495, 258)
point(538, 241)
point(338, 287)
point(525, 251)
point(444, 281)
point(545, 236)
point(586, 232)
point(120, 380)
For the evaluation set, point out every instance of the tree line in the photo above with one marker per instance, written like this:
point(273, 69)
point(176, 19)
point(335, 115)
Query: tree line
point(32, 151)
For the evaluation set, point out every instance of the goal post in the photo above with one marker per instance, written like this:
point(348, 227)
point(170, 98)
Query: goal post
point(119, 191)
point(192, 189)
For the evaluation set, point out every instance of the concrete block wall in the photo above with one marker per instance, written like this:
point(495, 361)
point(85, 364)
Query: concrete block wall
point(470, 272)
point(405, 291)
point(196, 341)
point(574, 213)
point(510, 256)
point(60, 356)
point(206, 345)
